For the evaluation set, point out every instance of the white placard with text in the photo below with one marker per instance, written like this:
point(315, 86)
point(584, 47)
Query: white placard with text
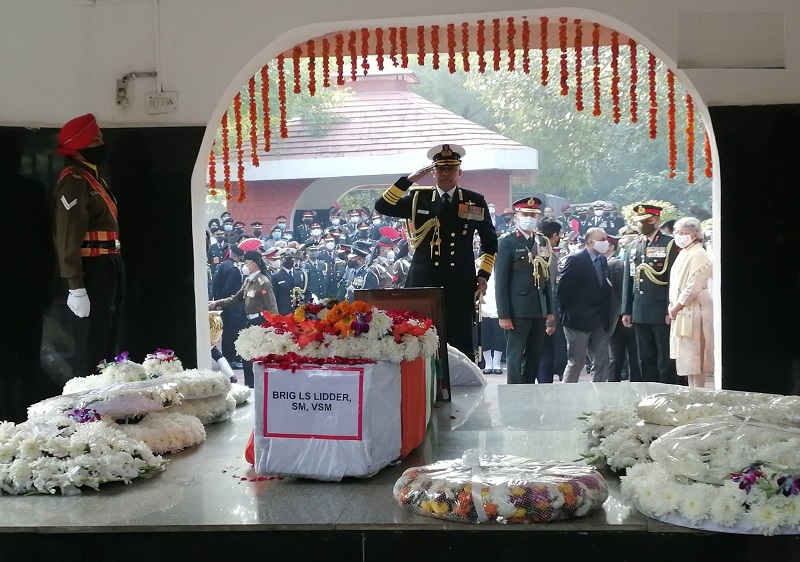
point(314, 403)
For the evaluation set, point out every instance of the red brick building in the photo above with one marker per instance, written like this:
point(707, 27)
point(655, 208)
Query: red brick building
point(380, 132)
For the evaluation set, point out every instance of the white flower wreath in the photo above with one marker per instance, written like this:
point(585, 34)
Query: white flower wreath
point(166, 432)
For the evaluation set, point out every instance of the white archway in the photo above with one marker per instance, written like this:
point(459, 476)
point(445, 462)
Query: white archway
point(301, 34)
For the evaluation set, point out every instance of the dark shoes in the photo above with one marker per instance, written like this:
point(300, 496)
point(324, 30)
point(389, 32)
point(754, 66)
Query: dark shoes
point(488, 371)
point(497, 371)
point(236, 365)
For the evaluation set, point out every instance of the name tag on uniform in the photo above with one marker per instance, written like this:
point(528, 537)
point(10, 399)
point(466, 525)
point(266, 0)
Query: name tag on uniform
point(251, 293)
point(656, 252)
point(423, 212)
point(470, 212)
point(281, 282)
point(522, 250)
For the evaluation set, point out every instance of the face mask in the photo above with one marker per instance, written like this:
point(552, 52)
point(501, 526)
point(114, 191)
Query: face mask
point(274, 264)
point(376, 222)
point(220, 240)
point(601, 246)
point(316, 231)
point(257, 232)
point(646, 228)
point(228, 228)
point(352, 264)
point(683, 240)
point(282, 224)
point(95, 154)
point(354, 220)
point(606, 213)
point(526, 223)
point(329, 246)
point(277, 235)
point(598, 213)
point(335, 222)
point(313, 255)
point(288, 264)
point(390, 255)
point(239, 231)
point(582, 216)
point(491, 210)
point(306, 219)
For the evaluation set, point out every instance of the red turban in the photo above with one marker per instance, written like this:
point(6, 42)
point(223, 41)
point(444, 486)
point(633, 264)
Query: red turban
point(77, 134)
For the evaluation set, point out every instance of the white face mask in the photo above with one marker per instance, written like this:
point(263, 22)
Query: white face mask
point(316, 231)
point(601, 246)
point(390, 255)
point(683, 240)
point(335, 222)
point(526, 223)
point(598, 213)
point(376, 222)
point(329, 245)
point(355, 220)
point(274, 264)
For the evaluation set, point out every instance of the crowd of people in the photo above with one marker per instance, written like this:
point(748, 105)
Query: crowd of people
point(557, 295)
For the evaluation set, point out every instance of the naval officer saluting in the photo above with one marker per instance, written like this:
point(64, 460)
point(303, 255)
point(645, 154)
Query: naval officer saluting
point(441, 223)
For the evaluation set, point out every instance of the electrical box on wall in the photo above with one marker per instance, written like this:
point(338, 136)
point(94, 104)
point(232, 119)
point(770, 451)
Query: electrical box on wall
point(161, 102)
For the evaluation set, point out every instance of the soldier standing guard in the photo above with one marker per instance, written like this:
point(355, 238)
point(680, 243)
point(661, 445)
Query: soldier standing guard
point(441, 222)
point(524, 293)
point(362, 277)
point(645, 294)
point(87, 245)
point(316, 270)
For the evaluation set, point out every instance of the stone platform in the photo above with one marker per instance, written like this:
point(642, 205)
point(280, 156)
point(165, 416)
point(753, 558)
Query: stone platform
point(208, 505)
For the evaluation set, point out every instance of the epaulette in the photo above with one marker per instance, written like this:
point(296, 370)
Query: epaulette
point(506, 235)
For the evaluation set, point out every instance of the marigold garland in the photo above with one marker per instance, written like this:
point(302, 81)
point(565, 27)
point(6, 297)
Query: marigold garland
point(365, 50)
point(212, 171)
point(451, 48)
point(435, 46)
point(296, 52)
point(617, 114)
point(578, 65)
point(465, 46)
point(284, 131)
point(512, 51)
point(673, 145)
point(545, 72)
point(481, 46)
point(379, 47)
point(403, 47)
point(421, 45)
point(596, 71)
point(339, 52)
point(326, 63)
point(253, 114)
point(707, 155)
point(634, 80)
point(526, 46)
point(393, 46)
point(689, 139)
point(312, 68)
point(651, 80)
point(237, 115)
point(265, 107)
point(226, 157)
point(496, 44)
point(562, 43)
point(351, 49)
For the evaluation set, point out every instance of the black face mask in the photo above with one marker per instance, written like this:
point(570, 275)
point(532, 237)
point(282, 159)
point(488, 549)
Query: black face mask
point(288, 264)
point(95, 155)
point(582, 216)
point(352, 264)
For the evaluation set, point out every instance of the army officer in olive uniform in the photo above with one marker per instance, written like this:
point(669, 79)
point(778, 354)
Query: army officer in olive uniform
point(442, 221)
point(257, 295)
point(645, 294)
point(524, 292)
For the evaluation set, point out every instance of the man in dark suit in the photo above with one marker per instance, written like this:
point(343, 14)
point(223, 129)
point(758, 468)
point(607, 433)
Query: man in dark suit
point(622, 345)
point(584, 294)
point(523, 293)
point(283, 284)
point(227, 282)
point(645, 294)
point(442, 221)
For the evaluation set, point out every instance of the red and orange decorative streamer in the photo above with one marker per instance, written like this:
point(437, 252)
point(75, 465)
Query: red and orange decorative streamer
point(689, 139)
point(578, 65)
point(673, 144)
point(397, 51)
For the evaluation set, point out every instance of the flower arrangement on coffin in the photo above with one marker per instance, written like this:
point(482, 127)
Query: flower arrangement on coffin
point(70, 452)
point(339, 332)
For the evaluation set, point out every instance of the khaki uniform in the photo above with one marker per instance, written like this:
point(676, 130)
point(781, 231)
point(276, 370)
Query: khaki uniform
point(257, 295)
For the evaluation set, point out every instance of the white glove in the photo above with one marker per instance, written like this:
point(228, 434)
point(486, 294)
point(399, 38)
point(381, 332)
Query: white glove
point(78, 302)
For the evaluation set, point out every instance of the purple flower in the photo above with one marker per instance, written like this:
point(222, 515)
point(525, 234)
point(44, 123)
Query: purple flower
point(747, 477)
point(159, 351)
point(789, 485)
point(360, 325)
point(121, 357)
point(84, 415)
